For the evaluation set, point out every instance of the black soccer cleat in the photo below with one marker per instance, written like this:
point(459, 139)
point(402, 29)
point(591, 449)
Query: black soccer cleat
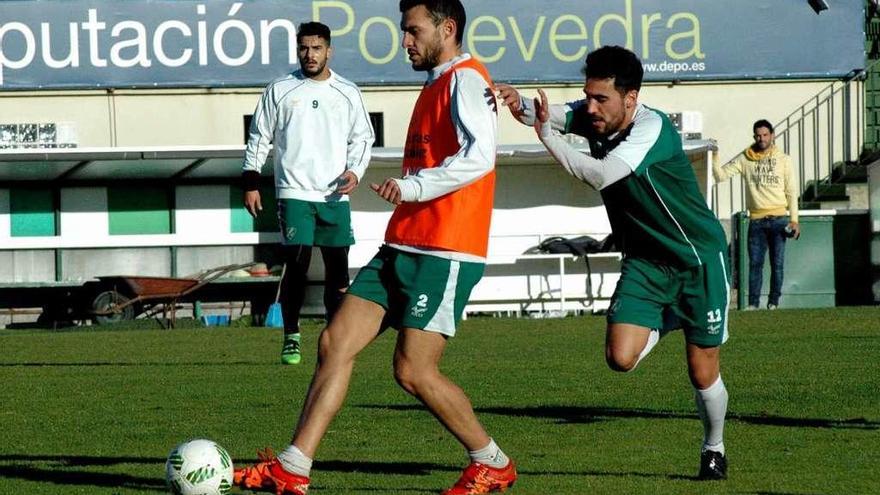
point(713, 466)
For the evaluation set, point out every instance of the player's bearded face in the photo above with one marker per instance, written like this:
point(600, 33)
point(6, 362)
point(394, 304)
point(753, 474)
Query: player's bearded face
point(313, 53)
point(606, 106)
point(422, 40)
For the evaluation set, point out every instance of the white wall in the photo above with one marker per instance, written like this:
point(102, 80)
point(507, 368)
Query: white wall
point(212, 117)
point(215, 117)
point(84, 213)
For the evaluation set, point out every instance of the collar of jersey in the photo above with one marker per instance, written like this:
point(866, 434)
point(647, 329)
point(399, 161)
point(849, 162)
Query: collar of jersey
point(441, 69)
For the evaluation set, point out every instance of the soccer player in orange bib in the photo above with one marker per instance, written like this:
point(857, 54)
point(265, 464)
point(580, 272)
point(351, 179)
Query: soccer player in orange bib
point(434, 254)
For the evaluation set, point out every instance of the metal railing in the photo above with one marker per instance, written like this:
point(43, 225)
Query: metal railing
point(828, 129)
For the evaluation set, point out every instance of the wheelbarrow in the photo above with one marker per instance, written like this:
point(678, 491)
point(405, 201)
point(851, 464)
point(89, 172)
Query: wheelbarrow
point(124, 297)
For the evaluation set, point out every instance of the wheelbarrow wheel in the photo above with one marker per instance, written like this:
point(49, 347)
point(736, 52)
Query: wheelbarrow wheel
point(111, 307)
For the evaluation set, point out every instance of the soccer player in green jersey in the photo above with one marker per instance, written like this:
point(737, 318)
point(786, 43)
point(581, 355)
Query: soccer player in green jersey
point(674, 272)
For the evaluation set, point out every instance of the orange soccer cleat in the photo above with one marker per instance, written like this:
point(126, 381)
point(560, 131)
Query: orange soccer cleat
point(478, 478)
point(269, 476)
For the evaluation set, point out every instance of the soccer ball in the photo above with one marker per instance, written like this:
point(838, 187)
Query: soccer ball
point(199, 467)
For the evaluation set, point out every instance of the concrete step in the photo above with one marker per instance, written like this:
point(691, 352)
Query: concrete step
point(825, 192)
point(834, 205)
point(849, 172)
point(858, 196)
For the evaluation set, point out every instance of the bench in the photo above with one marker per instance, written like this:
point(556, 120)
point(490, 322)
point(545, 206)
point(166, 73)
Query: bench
point(519, 280)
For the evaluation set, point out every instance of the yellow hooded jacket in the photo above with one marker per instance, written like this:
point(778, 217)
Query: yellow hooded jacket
point(770, 187)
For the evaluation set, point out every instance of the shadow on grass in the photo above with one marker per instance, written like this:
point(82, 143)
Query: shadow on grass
point(55, 469)
point(26, 467)
point(425, 469)
point(371, 467)
point(586, 415)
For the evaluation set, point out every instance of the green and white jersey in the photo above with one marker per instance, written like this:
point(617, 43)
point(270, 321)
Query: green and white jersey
point(657, 212)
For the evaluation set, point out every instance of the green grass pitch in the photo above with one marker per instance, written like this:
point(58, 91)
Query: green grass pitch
point(96, 411)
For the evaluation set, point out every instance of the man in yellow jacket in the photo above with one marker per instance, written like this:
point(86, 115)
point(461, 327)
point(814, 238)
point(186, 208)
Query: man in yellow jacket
point(771, 194)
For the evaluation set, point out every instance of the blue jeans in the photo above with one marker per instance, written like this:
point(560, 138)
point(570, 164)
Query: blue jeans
point(766, 233)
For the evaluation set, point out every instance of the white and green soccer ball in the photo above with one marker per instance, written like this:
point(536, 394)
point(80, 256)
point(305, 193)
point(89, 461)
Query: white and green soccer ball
point(199, 467)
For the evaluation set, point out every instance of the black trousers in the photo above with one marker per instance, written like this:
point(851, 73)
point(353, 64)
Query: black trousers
point(293, 288)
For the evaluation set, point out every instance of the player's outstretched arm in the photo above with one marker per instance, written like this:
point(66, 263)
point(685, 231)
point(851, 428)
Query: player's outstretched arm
point(597, 173)
point(523, 109)
point(511, 99)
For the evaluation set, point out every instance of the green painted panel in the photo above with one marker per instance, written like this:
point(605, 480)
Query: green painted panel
point(138, 210)
point(808, 280)
point(32, 213)
point(852, 259)
point(243, 222)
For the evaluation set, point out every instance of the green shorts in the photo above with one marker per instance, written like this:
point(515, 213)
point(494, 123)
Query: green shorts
point(418, 290)
point(659, 296)
point(315, 224)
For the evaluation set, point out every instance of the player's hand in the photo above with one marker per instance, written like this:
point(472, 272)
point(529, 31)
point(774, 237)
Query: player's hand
point(542, 110)
point(252, 203)
point(347, 182)
point(389, 191)
point(510, 98)
point(796, 229)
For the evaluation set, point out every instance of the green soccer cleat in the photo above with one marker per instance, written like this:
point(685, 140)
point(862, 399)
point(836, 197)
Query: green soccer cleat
point(290, 350)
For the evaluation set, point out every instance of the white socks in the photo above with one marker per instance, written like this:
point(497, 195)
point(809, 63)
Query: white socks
point(490, 455)
point(712, 406)
point(294, 461)
point(653, 338)
point(711, 402)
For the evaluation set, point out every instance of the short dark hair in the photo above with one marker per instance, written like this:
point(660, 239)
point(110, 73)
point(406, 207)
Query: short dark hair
point(313, 29)
point(617, 62)
point(440, 10)
point(763, 123)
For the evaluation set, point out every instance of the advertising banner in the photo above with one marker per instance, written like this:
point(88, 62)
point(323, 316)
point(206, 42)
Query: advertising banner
point(57, 44)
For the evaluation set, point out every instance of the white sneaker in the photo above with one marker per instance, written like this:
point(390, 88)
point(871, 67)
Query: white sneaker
point(771, 307)
point(751, 308)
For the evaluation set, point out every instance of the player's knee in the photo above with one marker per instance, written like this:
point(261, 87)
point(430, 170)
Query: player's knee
point(703, 379)
point(332, 351)
point(410, 377)
point(324, 347)
point(405, 377)
point(619, 360)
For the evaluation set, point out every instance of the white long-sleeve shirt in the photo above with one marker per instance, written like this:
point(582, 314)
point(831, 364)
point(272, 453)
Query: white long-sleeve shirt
point(599, 173)
point(319, 130)
point(476, 124)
